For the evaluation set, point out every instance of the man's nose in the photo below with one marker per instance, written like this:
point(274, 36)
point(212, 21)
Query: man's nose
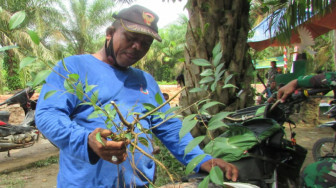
point(137, 45)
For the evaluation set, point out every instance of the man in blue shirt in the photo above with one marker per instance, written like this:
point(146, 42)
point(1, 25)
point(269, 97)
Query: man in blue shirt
point(85, 161)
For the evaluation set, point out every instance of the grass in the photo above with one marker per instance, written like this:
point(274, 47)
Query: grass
point(167, 83)
point(18, 178)
point(173, 165)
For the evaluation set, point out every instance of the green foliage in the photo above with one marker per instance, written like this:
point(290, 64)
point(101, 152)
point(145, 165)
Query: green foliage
point(213, 79)
point(169, 162)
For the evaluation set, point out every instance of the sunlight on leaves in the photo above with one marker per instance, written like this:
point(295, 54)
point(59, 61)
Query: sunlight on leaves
point(35, 38)
point(16, 19)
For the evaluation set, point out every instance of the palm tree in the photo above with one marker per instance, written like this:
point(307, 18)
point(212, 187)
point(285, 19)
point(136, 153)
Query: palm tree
point(84, 24)
point(36, 19)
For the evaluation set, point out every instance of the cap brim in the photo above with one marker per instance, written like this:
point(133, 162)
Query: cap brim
point(133, 27)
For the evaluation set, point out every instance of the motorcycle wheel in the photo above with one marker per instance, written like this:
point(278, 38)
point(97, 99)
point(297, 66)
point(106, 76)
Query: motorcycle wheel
point(324, 147)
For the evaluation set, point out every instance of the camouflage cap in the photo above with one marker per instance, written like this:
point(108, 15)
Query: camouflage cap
point(140, 20)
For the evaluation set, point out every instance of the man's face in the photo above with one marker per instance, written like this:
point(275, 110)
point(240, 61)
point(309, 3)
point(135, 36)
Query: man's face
point(130, 47)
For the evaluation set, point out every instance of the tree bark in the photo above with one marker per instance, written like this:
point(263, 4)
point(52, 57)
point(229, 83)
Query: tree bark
point(210, 22)
point(225, 22)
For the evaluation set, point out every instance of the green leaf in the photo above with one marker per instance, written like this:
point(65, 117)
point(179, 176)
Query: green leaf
point(68, 86)
point(99, 138)
point(49, 94)
point(158, 98)
point(216, 175)
point(171, 110)
point(40, 77)
point(193, 163)
point(111, 112)
point(94, 114)
point(219, 116)
point(219, 75)
point(73, 77)
point(88, 88)
point(201, 62)
point(196, 89)
point(206, 80)
point(94, 97)
point(16, 19)
point(187, 125)
point(216, 124)
point(79, 91)
point(210, 104)
point(192, 144)
point(27, 61)
point(217, 59)
point(7, 48)
point(143, 141)
point(207, 72)
point(219, 68)
point(213, 86)
point(216, 49)
point(35, 38)
point(227, 79)
point(64, 66)
point(229, 86)
point(148, 106)
point(128, 136)
point(204, 183)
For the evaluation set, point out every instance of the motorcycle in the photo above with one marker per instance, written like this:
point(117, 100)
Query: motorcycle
point(22, 135)
point(255, 142)
point(326, 147)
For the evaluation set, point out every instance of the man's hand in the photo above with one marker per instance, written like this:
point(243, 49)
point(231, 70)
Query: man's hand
point(114, 152)
point(231, 171)
point(286, 90)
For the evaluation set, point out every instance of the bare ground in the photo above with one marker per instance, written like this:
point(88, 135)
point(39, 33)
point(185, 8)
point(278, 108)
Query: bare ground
point(45, 177)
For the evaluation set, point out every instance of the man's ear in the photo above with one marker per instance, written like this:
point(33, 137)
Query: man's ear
point(110, 31)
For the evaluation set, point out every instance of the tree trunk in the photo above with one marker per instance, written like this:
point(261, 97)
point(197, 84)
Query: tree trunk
point(223, 21)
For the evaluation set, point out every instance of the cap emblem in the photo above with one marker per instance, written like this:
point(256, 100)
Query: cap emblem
point(148, 18)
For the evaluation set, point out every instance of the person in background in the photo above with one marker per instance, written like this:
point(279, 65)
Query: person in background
point(83, 160)
point(272, 72)
point(166, 96)
point(322, 173)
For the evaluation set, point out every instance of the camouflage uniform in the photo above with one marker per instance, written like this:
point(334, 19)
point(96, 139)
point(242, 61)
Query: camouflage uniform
point(272, 72)
point(320, 174)
point(318, 81)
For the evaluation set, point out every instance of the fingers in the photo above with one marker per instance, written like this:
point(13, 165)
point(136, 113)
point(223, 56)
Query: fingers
point(231, 171)
point(109, 149)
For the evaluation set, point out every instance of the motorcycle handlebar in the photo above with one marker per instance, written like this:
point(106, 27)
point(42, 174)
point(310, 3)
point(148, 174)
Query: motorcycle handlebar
point(306, 93)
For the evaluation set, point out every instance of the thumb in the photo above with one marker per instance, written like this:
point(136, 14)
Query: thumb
point(105, 132)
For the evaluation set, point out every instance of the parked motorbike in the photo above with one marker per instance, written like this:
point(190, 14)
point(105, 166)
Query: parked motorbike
point(326, 147)
point(256, 143)
point(22, 135)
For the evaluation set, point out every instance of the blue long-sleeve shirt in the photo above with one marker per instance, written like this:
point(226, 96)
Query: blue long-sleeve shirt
point(65, 123)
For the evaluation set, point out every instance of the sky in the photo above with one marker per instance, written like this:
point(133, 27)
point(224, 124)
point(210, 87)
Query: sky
point(168, 12)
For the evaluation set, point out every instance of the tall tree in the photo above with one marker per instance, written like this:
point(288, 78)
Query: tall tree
point(38, 14)
point(84, 24)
